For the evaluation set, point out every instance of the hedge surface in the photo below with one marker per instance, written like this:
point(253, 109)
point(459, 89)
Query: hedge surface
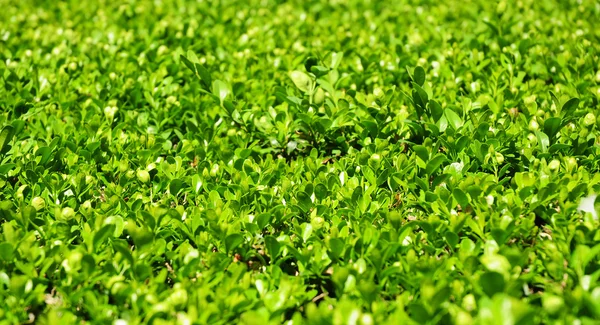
point(299, 162)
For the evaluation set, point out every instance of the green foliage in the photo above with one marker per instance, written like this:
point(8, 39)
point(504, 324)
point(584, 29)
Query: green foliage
point(307, 162)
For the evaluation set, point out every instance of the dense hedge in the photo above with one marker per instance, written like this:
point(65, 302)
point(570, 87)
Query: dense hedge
point(320, 162)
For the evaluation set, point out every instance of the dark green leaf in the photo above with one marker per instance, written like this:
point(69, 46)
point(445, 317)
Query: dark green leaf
point(419, 75)
point(6, 136)
point(233, 241)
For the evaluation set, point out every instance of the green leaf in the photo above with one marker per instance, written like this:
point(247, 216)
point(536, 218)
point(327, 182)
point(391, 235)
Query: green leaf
point(221, 90)
point(124, 251)
point(233, 241)
point(552, 126)
point(543, 140)
point(118, 222)
point(307, 231)
point(419, 313)
point(103, 234)
point(434, 163)
point(6, 168)
point(420, 96)
point(310, 62)
point(204, 74)
point(301, 80)
point(558, 147)
point(198, 69)
point(273, 246)
point(319, 71)
point(188, 63)
point(453, 119)
point(304, 201)
point(492, 283)
point(436, 110)
point(451, 238)
point(499, 236)
point(460, 197)
point(6, 252)
point(28, 213)
point(570, 106)
point(262, 220)
point(192, 57)
point(336, 58)
point(336, 247)
point(419, 75)
point(6, 136)
point(422, 152)
point(196, 183)
point(175, 186)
